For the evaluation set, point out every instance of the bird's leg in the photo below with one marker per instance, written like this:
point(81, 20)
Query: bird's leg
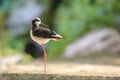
point(44, 51)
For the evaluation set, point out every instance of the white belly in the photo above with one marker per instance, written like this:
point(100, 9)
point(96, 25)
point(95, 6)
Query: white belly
point(38, 40)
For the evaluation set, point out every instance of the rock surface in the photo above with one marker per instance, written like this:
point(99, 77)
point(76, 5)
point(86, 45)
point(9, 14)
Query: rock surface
point(61, 71)
point(11, 76)
point(106, 40)
point(92, 67)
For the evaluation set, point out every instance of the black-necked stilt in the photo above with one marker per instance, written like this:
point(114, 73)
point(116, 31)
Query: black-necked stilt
point(41, 33)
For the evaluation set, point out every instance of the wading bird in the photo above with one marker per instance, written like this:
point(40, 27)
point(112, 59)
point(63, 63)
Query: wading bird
point(41, 33)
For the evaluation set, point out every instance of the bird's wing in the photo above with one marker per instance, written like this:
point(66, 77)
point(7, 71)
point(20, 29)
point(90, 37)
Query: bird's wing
point(44, 32)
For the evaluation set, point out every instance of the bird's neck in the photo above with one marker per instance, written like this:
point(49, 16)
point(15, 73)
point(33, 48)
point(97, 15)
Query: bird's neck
point(34, 26)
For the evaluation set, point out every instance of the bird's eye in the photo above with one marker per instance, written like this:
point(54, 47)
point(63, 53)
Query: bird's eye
point(37, 20)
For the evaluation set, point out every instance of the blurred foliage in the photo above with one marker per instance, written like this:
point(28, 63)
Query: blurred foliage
point(48, 15)
point(43, 1)
point(75, 18)
point(72, 18)
point(4, 9)
point(10, 45)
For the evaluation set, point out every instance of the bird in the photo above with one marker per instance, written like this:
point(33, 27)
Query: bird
point(42, 34)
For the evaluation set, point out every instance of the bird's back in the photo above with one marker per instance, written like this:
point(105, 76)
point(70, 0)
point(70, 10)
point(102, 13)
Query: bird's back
point(43, 32)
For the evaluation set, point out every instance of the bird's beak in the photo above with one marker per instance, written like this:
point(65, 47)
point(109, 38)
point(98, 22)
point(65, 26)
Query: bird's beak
point(58, 37)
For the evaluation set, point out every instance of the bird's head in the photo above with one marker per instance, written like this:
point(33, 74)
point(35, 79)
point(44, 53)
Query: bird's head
point(36, 21)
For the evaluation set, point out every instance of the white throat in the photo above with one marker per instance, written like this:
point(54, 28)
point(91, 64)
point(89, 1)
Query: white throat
point(38, 23)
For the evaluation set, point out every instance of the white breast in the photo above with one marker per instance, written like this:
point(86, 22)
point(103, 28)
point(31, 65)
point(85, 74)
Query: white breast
point(39, 40)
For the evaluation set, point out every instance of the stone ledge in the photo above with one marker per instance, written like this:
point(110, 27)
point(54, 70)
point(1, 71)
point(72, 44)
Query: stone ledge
point(60, 71)
point(34, 76)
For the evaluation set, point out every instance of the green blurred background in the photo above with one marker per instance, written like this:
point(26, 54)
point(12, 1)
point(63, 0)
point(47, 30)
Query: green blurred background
point(71, 18)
